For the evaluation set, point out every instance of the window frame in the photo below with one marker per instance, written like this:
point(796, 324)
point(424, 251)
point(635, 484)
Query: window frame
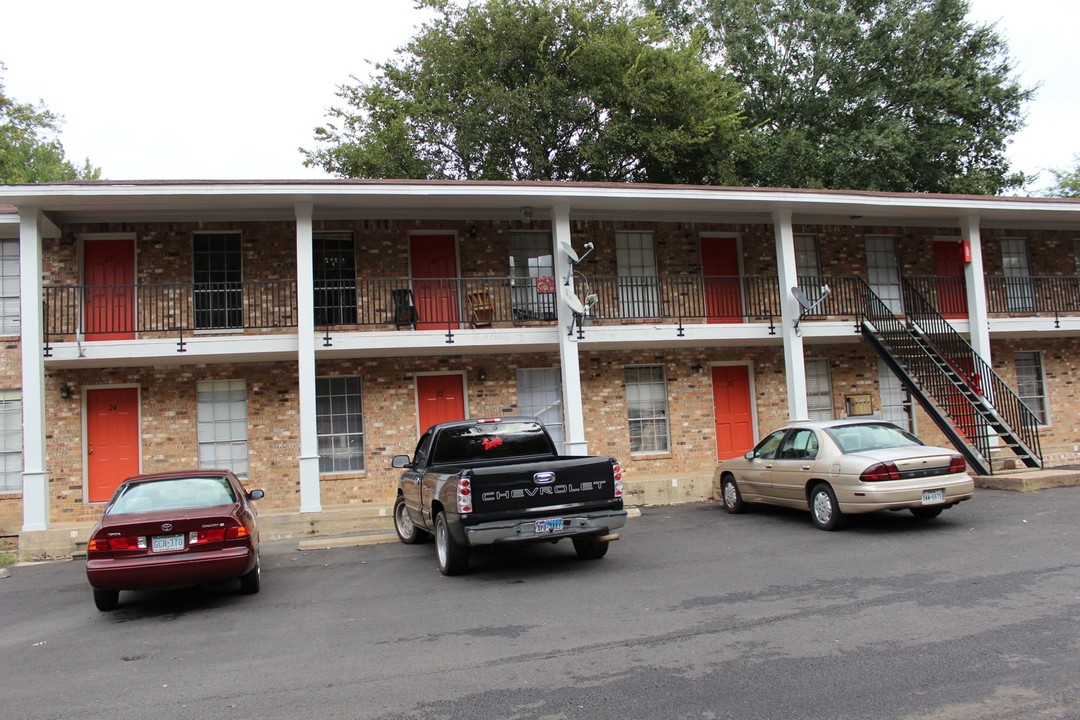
point(11, 429)
point(222, 405)
point(334, 282)
point(651, 415)
point(543, 384)
point(1042, 411)
point(217, 292)
point(10, 287)
point(326, 417)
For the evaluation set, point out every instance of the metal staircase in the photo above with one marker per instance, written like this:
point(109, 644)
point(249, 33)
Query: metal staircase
point(965, 398)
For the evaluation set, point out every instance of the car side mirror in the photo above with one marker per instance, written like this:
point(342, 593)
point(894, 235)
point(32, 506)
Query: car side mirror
point(401, 461)
point(256, 495)
point(749, 455)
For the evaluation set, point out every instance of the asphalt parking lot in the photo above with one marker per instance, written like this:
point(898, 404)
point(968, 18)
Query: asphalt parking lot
point(693, 614)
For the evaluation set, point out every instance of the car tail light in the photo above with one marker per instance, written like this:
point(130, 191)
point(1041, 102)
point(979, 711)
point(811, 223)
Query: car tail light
point(238, 531)
point(616, 472)
point(206, 535)
point(464, 495)
point(881, 471)
point(957, 464)
point(133, 542)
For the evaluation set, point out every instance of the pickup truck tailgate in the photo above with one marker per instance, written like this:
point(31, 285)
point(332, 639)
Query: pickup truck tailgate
point(588, 481)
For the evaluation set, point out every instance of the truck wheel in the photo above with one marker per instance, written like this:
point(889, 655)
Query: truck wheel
point(590, 549)
point(453, 556)
point(407, 531)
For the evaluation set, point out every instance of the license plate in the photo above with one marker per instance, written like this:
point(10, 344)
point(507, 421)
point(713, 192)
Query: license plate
point(548, 526)
point(933, 497)
point(167, 543)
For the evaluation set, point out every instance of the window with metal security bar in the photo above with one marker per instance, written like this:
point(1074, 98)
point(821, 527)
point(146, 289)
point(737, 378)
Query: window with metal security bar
point(1031, 385)
point(896, 404)
point(883, 270)
point(808, 270)
point(339, 414)
point(10, 321)
point(533, 285)
point(333, 259)
point(221, 406)
point(218, 280)
point(639, 284)
point(11, 459)
point(1019, 291)
point(647, 408)
point(540, 396)
point(819, 401)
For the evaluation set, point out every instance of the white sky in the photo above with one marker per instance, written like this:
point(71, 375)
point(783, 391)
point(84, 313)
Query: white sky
point(230, 89)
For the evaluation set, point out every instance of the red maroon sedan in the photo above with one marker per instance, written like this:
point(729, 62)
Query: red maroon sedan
point(174, 529)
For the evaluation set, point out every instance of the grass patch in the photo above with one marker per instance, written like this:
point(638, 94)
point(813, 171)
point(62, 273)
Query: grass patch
point(7, 558)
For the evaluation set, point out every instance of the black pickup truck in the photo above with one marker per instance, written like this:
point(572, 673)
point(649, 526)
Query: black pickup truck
point(501, 480)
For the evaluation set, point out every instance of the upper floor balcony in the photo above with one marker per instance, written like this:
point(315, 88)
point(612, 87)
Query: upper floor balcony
point(173, 315)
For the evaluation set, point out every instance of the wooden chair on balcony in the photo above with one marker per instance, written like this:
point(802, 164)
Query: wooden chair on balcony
point(481, 312)
point(404, 308)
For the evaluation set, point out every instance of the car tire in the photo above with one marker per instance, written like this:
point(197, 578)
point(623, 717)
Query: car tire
point(824, 510)
point(453, 556)
point(406, 530)
point(106, 600)
point(252, 579)
point(925, 513)
point(589, 549)
point(731, 495)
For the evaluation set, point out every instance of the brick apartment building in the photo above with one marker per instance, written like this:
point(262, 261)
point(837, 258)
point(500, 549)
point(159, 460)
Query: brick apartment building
point(303, 332)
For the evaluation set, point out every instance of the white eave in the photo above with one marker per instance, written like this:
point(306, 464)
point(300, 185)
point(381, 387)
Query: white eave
point(237, 200)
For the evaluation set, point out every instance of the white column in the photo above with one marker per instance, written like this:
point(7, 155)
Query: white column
point(35, 478)
point(573, 413)
point(794, 362)
point(310, 499)
point(975, 278)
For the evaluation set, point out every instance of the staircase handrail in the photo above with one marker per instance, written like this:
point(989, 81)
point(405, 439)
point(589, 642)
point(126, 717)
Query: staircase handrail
point(982, 378)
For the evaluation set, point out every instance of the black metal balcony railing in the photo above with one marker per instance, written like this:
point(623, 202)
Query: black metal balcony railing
point(1005, 296)
point(180, 310)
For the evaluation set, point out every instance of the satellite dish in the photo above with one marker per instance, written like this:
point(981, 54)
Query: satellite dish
point(570, 253)
point(801, 297)
point(572, 300)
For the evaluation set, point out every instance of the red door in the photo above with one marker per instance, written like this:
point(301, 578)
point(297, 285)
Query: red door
point(731, 403)
point(723, 286)
point(439, 398)
point(949, 261)
point(109, 274)
point(112, 439)
point(434, 271)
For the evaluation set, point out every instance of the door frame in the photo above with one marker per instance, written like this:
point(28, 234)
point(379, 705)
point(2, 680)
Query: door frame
point(81, 239)
point(441, 373)
point(85, 435)
point(456, 237)
point(752, 388)
point(737, 237)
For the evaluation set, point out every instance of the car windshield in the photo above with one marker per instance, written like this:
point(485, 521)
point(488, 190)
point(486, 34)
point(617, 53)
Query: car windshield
point(171, 494)
point(871, 436)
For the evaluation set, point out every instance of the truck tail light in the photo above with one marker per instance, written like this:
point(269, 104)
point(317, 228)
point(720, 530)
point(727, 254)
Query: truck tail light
point(464, 495)
point(616, 472)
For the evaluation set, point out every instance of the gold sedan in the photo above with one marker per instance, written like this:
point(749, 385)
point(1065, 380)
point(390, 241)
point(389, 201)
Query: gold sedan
point(845, 467)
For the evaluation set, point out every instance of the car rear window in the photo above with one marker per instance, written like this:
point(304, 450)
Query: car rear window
point(491, 441)
point(871, 436)
point(171, 494)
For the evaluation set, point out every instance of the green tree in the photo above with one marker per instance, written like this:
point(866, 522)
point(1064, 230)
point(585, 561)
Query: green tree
point(538, 90)
point(894, 95)
point(1066, 182)
point(30, 149)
